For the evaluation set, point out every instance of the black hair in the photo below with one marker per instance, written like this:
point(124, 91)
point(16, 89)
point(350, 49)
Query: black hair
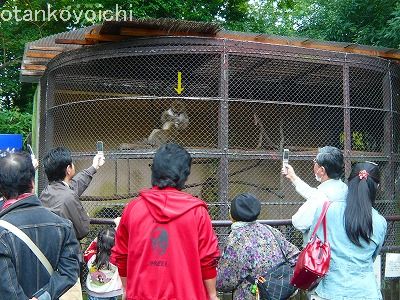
point(331, 158)
point(55, 163)
point(105, 242)
point(16, 174)
point(171, 166)
point(360, 200)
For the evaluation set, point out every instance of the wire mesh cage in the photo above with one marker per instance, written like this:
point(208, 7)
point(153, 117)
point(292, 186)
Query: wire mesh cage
point(240, 104)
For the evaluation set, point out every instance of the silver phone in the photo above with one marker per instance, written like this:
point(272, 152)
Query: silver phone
point(285, 159)
point(100, 147)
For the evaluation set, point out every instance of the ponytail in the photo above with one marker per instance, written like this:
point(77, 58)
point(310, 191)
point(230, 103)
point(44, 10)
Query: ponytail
point(363, 184)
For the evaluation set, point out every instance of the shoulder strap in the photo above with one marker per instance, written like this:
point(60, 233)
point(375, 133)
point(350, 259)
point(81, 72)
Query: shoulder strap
point(252, 279)
point(279, 244)
point(321, 219)
point(22, 236)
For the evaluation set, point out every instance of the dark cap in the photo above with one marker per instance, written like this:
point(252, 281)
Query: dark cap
point(245, 207)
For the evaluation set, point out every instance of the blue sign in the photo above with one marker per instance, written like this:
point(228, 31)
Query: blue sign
point(10, 142)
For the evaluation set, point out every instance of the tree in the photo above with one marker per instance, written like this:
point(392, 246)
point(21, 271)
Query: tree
point(391, 35)
point(369, 22)
point(15, 121)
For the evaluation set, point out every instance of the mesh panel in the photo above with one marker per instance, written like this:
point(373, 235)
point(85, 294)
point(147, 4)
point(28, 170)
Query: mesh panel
point(134, 120)
point(367, 128)
point(242, 103)
point(154, 75)
point(282, 80)
point(266, 126)
point(395, 96)
point(366, 87)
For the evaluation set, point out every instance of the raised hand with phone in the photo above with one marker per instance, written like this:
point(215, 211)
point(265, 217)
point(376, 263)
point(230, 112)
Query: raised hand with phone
point(35, 161)
point(287, 169)
point(99, 158)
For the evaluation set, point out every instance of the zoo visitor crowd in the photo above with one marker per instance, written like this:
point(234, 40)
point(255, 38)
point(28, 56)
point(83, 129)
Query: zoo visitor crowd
point(164, 247)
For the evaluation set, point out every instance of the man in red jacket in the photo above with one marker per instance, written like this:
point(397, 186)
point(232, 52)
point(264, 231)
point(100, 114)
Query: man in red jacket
point(165, 246)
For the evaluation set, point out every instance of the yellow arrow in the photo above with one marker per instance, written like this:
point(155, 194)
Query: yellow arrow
point(179, 89)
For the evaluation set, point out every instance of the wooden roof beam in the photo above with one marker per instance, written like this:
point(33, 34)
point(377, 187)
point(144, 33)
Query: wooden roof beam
point(39, 54)
point(157, 32)
point(75, 42)
point(46, 48)
point(34, 67)
point(35, 61)
point(311, 45)
point(105, 37)
point(350, 46)
point(31, 73)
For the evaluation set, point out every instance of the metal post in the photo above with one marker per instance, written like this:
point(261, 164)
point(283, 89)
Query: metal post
point(223, 116)
point(347, 123)
point(389, 169)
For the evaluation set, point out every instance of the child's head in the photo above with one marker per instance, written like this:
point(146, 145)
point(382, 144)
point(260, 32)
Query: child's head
point(105, 241)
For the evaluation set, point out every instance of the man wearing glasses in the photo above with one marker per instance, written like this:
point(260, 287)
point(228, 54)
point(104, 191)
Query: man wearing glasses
point(328, 169)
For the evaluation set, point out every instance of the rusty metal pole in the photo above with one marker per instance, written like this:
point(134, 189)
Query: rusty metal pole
point(223, 117)
point(347, 120)
point(388, 185)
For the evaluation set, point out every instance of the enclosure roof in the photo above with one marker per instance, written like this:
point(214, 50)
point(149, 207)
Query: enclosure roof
point(38, 53)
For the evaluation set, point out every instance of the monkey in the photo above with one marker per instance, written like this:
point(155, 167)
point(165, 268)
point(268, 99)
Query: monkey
point(176, 114)
point(173, 120)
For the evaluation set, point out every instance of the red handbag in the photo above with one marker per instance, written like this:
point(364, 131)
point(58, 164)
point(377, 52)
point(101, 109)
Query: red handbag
point(313, 261)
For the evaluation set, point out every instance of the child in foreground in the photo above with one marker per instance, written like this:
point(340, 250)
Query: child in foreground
point(103, 281)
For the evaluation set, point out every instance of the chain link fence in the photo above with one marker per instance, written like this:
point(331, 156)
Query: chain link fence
point(242, 103)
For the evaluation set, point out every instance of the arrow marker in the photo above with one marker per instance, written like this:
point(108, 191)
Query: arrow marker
point(179, 89)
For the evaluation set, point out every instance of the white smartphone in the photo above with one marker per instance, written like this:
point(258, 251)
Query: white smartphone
point(100, 147)
point(285, 159)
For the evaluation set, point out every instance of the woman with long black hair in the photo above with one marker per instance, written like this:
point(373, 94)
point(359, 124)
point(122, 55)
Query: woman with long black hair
point(356, 232)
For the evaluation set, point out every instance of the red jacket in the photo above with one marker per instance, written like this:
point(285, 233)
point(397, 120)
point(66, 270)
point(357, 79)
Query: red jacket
point(165, 245)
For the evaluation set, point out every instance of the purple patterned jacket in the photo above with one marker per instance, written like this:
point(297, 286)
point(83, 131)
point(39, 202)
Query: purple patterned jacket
point(250, 249)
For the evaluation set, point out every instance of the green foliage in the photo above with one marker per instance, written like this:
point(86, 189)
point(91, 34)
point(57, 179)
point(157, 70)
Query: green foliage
point(357, 140)
point(392, 33)
point(368, 22)
point(270, 17)
point(15, 121)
